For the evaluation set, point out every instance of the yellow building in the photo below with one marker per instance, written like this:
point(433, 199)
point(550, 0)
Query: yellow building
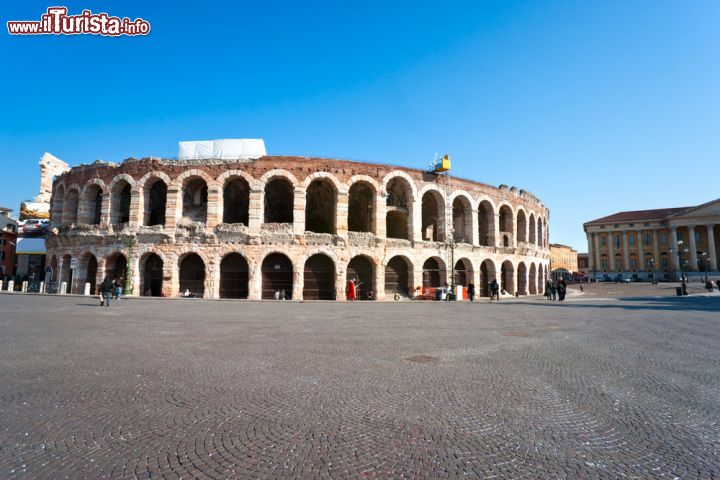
point(563, 261)
point(646, 243)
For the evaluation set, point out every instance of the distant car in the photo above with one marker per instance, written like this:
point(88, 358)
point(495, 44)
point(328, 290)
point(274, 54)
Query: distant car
point(35, 225)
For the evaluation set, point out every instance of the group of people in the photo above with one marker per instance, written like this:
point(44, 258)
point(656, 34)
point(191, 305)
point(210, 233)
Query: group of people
point(556, 290)
point(110, 288)
point(281, 295)
point(710, 287)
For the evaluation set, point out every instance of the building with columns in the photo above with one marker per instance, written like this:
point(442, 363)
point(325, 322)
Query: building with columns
point(644, 243)
point(246, 229)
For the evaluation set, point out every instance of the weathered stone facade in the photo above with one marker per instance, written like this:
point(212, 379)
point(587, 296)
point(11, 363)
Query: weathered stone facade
point(173, 225)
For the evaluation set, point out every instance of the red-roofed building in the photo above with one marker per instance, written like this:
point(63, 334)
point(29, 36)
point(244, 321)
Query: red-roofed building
point(644, 244)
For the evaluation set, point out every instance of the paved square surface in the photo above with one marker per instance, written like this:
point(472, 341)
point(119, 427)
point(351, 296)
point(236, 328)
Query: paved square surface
point(590, 388)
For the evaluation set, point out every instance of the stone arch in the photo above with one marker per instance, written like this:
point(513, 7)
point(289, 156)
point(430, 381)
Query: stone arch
point(92, 202)
point(234, 276)
point(87, 272)
point(522, 279)
point(398, 276)
point(433, 214)
point(319, 278)
point(321, 204)
point(532, 279)
point(400, 201)
point(507, 277)
point(361, 206)
point(505, 224)
point(195, 198)
point(154, 186)
point(192, 273)
point(434, 273)
point(279, 199)
point(152, 268)
point(462, 218)
point(464, 272)
point(236, 199)
point(521, 226)
point(277, 275)
point(361, 271)
point(54, 267)
point(532, 229)
point(120, 198)
point(71, 204)
point(66, 273)
point(116, 266)
point(487, 275)
point(486, 223)
point(390, 176)
point(279, 172)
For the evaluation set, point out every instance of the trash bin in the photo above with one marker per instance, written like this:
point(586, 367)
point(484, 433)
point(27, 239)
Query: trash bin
point(678, 291)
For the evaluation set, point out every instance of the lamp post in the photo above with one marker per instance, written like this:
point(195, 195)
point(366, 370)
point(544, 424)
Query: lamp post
point(682, 251)
point(705, 260)
point(652, 270)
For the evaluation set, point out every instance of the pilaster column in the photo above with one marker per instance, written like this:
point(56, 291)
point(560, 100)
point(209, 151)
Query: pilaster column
point(380, 282)
point(656, 250)
point(641, 253)
point(136, 206)
point(591, 253)
point(625, 253)
point(105, 210)
point(254, 282)
point(611, 251)
point(415, 220)
point(380, 211)
point(598, 258)
point(214, 209)
point(173, 208)
point(711, 247)
point(299, 217)
point(475, 234)
point(674, 254)
point(497, 239)
point(255, 211)
point(298, 283)
point(341, 215)
point(693, 248)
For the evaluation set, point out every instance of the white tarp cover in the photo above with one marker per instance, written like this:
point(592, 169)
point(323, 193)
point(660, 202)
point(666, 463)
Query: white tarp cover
point(227, 149)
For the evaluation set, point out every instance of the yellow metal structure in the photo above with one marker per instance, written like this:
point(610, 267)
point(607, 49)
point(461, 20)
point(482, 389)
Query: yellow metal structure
point(442, 164)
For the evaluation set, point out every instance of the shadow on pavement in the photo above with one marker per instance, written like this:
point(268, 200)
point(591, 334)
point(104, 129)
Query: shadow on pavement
point(702, 304)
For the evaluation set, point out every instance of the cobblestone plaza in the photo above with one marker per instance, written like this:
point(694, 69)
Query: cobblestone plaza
point(149, 388)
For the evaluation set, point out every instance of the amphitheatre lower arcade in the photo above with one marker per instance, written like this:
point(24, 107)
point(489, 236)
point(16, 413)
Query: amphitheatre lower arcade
point(246, 229)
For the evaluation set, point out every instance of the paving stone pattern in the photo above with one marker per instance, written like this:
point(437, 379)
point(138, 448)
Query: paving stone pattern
point(222, 389)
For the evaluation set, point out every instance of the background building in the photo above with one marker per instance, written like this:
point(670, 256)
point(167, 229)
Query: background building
point(8, 240)
point(643, 243)
point(583, 264)
point(246, 228)
point(563, 261)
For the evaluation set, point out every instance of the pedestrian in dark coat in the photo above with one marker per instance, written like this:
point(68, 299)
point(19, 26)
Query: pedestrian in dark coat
point(471, 291)
point(106, 290)
point(494, 290)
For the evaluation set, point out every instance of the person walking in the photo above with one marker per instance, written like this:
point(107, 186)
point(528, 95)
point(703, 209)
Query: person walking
point(553, 290)
point(118, 288)
point(471, 291)
point(709, 286)
point(561, 289)
point(548, 290)
point(494, 290)
point(106, 291)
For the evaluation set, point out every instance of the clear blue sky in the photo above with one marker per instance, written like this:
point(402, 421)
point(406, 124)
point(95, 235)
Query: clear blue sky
point(594, 106)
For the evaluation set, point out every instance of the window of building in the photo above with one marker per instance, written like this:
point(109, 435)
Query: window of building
point(603, 262)
point(618, 264)
point(2, 255)
point(2, 241)
point(631, 225)
point(603, 242)
point(664, 262)
point(617, 241)
point(663, 239)
point(647, 224)
point(633, 264)
point(632, 239)
point(647, 239)
point(649, 263)
point(698, 237)
point(616, 226)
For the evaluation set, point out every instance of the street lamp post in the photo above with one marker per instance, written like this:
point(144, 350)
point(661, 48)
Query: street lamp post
point(681, 256)
point(705, 260)
point(652, 270)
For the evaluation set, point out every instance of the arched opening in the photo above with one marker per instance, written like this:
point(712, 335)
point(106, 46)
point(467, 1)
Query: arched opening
point(120, 203)
point(521, 227)
point(116, 267)
point(277, 276)
point(153, 276)
point(91, 266)
point(399, 201)
point(397, 277)
point(487, 274)
point(462, 220)
point(541, 279)
point(57, 206)
point(486, 224)
point(433, 273)
point(155, 203)
point(463, 272)
point(192, 275)
point(91, 205)
point(66, 275)
point(319, 278)
point(533, 280)
point(320, 201)
point(533, 237)
point(506, 225)
point(279, 201)
point(522, 279)
point(540, 239)
point(234, 275)
point(72, 202)
point(195, 198)
point(361, 208)
point(236, 202)
point(433, 217)
point(507, 281)
point(360, 271)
